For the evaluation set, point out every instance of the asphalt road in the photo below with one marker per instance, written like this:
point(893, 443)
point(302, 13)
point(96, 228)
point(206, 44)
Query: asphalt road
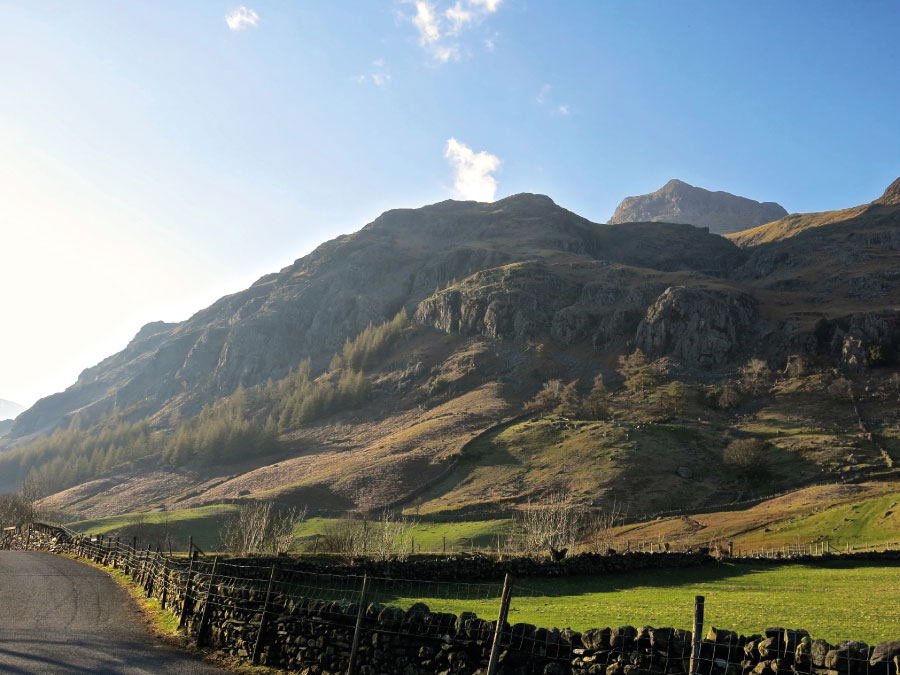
point(60, 616)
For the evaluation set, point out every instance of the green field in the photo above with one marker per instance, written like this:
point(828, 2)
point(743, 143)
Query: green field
point(429, 537)
point(204, 524)
point(835, 602)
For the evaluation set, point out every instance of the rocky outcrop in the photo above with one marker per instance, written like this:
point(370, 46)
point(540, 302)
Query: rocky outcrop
point(891, 196)
point(702, 326)
point(678, 202)
point(514, 302)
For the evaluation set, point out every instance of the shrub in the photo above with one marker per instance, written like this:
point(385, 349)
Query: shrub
point(746, 455)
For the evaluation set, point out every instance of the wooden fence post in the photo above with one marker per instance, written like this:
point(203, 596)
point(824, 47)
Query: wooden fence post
point(505, 597)
point(360, 615)
point(204, 618)
point(165, 590)
point(264, 619)
point(316, 545)
point(187, 590)
point(28, 537)
point(697, 634)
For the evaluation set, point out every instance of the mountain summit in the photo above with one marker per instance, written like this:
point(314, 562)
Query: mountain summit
point(679, 202)
point(8, 409)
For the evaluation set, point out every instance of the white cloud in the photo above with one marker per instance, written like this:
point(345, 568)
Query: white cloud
point(489, 6)
point(437, 26)
point(380, 77)
point(458, 17)
point(445, 53)
point(427, 23)
point(563, 109)
point(472, 171)
point(240, 18)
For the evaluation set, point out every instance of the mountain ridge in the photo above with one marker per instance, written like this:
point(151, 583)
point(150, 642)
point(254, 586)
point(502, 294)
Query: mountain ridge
point(680, 202)
point(491, 301)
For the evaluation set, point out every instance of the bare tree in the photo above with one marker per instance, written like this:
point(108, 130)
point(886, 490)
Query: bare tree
point(547, 398)
point(387, 538)
point(728, 397)
point(259, 527)
point(348, 536)
point(746, 455)
point(392, 536)
point(601, 527)
point(755, 377)
point(33, 490)
point(552, 524)
point(14, 511)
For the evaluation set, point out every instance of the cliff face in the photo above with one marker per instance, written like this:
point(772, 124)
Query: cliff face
point(519, 270)
point(678, 202)
point(700, 326)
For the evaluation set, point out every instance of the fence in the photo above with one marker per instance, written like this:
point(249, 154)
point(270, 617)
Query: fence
point(321, 622)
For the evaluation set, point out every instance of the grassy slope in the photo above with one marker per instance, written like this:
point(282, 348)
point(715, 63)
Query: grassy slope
point(790, 226)
point(811, 437)
point(202, 523)
point(828, 601)
point(839, 514)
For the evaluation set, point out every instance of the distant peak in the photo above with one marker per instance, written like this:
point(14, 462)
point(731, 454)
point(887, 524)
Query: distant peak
point(680, 202)
point(891, 196)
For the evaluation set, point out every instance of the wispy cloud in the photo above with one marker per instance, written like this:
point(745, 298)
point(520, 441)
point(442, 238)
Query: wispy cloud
point(458, 17)
point(544, 94)
point(380, 76)
point(545, 97)
point(439, 29)
point(472, 171)
point(427, 22)
point(241, 18)
point(489, 6)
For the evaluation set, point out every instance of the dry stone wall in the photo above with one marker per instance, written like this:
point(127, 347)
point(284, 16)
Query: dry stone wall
point(305, 620)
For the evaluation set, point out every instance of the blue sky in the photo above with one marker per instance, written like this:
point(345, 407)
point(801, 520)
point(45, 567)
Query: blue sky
point(156, 156)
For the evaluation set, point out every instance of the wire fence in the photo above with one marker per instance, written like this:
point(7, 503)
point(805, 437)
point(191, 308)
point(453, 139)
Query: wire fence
point(358, 623)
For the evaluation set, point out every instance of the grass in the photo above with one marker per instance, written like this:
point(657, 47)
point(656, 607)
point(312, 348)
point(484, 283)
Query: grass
point(839, 514)
point(429, 537)
point(840, 600)
point(203, 523)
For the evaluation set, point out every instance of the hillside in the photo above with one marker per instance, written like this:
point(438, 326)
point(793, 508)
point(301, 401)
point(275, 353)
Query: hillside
point(679, 202)
point(386, 367)
point(9, 410)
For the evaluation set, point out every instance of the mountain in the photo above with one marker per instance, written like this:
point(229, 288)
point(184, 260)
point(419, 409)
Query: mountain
point(5, 426)
point(678, 202)
point(311, 307)
point(391, 365)
point(9, 410)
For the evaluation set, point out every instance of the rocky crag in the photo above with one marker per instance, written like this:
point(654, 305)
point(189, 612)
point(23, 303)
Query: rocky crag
point(679, 202)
